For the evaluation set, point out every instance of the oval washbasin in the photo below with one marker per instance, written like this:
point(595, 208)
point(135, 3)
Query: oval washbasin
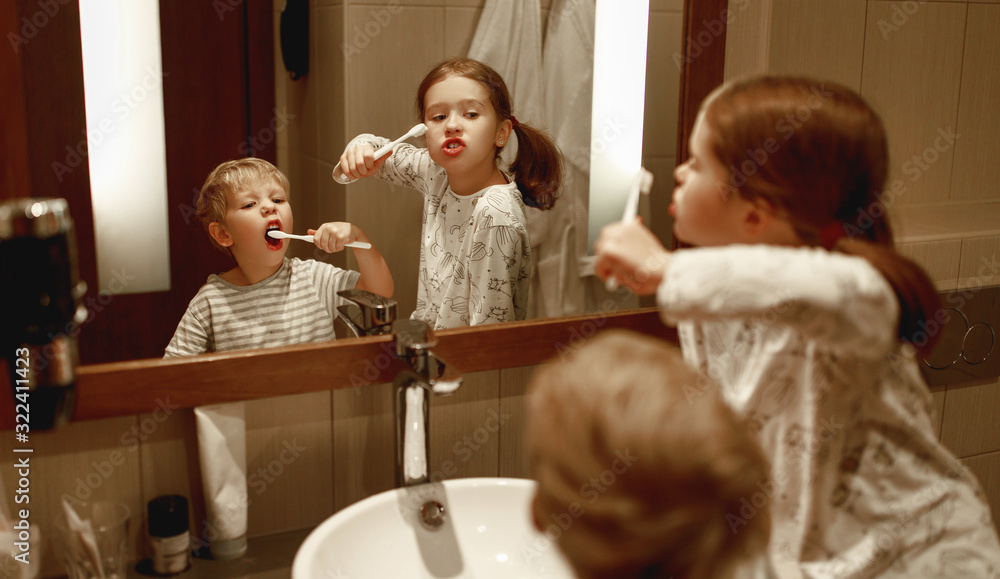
point(487, 533)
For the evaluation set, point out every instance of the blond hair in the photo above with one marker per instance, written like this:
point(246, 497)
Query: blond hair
point(226, 181)
point(641, 467)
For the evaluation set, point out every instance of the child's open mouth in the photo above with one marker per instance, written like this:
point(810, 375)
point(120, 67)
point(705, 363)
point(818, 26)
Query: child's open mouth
point(452, 147)
point(272, 242)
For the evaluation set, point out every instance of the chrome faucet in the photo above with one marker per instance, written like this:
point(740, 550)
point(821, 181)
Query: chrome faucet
point(424, 373)
point(367, 314)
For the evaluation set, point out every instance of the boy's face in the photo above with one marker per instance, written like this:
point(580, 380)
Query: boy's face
point(249, 214)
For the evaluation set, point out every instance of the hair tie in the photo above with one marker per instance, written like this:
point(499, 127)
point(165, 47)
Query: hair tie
point(831, 234)
point(513, 120)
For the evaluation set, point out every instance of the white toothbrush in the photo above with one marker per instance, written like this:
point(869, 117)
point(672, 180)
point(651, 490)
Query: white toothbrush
point(642, 184)
point(416, 131)
point(277, 234)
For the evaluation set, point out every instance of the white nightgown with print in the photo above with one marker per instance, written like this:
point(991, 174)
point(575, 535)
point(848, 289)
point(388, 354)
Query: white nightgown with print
point(475, 257)
point(803, 342)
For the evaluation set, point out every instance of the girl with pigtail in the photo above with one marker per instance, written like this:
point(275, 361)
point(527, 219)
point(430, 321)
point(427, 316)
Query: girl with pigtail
point(814, 326)
point(475, 256)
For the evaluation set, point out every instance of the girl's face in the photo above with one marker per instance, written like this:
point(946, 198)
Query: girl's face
point(250, 213)
point(707, 212)
point(462, 128)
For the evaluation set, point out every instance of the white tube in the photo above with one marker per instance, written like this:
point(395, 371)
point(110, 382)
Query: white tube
point(222, 452)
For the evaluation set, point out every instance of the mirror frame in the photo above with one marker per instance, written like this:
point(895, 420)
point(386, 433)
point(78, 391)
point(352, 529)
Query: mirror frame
point(136, 387)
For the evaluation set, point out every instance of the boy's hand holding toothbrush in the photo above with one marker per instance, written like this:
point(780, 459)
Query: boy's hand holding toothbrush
point(336, 235)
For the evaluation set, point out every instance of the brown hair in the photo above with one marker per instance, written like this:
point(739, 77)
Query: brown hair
point(227, 180)
point(537, 167)
point(818, 153)
point(673, 462)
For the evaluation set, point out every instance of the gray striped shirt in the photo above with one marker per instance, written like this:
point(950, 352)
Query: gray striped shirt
point(295, 305)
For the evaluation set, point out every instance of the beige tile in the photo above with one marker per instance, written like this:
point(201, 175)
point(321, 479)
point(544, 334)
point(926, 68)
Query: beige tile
point(83, 461)
point(459, 30)
point(659, 136)
point(465, 429)
point(391, 218)
point(331, 205)
point(304, 199)
point(329, 76)
point(363, 447)
point(939, 258)
point(823, 39)
point(168, 448)
point(513, 387)
point(986, 467)
point(911, 75)
point(977, 162)
point(970, 424)
point(980, 265)
point(934, 222)
point(289, 455)
point(380, 99)
point(657, 203)
point(747, 39)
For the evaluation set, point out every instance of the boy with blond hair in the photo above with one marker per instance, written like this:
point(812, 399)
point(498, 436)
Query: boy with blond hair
point(267, 299)
point(642, 469)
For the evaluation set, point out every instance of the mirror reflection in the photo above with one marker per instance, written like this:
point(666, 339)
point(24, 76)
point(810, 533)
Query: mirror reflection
point(364, 81)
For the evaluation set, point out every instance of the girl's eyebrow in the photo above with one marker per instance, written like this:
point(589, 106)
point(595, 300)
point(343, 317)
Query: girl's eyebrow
point(463, 102)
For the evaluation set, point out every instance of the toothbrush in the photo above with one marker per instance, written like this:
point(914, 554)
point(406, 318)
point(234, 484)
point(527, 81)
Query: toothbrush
point(276, 234)
point(416, 131)
point(642, 184)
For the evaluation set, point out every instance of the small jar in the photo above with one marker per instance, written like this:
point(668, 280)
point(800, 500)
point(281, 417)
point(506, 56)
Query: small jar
point(169, 535)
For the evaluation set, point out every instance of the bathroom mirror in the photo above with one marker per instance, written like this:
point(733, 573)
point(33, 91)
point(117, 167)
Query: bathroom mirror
point(127, 323)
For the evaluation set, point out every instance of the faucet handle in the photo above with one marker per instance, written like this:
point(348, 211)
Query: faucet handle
point(413, 338)
point(368, 314)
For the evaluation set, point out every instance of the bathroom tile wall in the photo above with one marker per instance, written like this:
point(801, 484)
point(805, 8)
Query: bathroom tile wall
point(929, 68)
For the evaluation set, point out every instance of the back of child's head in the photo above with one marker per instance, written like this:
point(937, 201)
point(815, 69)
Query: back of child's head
point(228, 179)
point(537, 167)
point(818, 153)
point(642, 469)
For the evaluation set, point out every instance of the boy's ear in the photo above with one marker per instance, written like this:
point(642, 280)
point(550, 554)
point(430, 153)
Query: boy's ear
point(219, 234)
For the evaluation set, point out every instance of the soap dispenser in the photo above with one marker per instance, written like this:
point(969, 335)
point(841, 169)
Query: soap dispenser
point(41, 296)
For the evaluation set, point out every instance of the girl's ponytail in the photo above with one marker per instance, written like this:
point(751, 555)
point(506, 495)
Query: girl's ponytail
point(537, 168)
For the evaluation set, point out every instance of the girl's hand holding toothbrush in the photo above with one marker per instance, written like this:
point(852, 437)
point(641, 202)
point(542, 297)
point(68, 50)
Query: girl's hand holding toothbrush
point(334, 236)
point(362, 160)
point(631, 253)
point(359, 161)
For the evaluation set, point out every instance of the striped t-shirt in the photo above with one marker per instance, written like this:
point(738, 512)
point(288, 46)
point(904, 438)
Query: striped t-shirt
point(296, 305)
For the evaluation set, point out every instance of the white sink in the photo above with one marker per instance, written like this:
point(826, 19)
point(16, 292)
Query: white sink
point(487, 533)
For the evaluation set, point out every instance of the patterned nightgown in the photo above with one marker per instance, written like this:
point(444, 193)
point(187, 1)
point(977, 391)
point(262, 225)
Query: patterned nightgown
point(803, 342)
point(475, 257)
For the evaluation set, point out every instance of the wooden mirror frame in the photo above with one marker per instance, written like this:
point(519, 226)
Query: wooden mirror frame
point(135, 387)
